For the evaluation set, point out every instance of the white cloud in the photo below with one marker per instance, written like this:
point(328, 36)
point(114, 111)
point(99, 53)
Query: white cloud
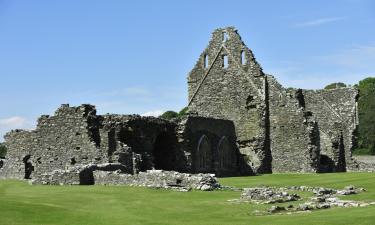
point(318, 22)
point(14, 121)
point(154, 113)
point(11, 123)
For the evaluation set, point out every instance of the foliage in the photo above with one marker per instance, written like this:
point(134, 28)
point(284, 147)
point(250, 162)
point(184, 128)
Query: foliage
point(83, 205)
point(366, 110)
point(168, 115)
point(3, 150)
point(335, 85)
point(183, 112)
point(362, 151)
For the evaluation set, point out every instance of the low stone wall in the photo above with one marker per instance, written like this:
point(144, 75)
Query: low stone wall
point(158, 179)
point(59, 177)
point(113, 174)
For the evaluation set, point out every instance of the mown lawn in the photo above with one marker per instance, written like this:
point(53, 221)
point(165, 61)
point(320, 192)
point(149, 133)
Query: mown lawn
point(21, 203)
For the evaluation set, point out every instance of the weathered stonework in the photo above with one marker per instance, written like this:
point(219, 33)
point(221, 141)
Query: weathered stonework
point(278, 129)
point(241, 121)
point(75, 137)
point(336, 111)
point(235, 93)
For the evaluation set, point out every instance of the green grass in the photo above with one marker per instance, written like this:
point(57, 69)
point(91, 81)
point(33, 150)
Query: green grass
point(21, 203)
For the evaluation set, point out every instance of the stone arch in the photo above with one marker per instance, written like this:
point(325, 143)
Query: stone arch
point(226, 156)
point(332, 153)
point(326, 163)
point(163, 153)
point(203, 161)
point(29, 168)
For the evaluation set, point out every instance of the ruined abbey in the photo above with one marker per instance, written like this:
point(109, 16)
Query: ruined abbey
point(241, 121)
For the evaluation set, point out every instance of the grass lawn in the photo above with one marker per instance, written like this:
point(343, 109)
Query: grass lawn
point(21, 203)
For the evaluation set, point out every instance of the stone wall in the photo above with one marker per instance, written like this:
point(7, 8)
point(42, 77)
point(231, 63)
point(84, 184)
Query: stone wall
point(210, 146)
point(106, 175)
point(152, 141)
point(336, 111)
point(61, 141)
point(240, 122)
point(228, 83)
point(277, 128)
point(294, 133)
point(76, 136)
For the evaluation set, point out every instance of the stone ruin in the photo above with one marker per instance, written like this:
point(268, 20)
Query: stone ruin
point(278, 129)
point(241, 121)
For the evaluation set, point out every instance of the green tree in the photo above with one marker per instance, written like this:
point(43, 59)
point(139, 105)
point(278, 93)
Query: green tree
point(3, 150)
point(183, 112)
point(169, 115)
point(366, 110)
point(335, 85)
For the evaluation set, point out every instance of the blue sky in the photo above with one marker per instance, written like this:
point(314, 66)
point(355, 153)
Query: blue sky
point(134, 56)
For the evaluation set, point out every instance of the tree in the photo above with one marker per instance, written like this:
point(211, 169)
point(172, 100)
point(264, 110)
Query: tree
point(366, 111)
point(335, 85)
point(183, 112)
point(169, 115)
point(3, 150)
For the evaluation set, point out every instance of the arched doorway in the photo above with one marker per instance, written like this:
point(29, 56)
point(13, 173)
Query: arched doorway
point(29, 168)
point(164, 152)
point(203, 159)
point(326, 164)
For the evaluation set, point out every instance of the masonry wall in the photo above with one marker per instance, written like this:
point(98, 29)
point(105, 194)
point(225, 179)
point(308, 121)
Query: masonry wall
point(209, 146)
point(294, 134)
point(68, 138)
point(76, 136)
point(235, 92)
point(336, 111)
point(153, 141)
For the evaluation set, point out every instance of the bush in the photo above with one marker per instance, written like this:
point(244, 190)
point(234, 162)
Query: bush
point(366, 112)
point(3, 150)
point(363, 151)
point(183, 112)
point(168, 115)
point(335, 85)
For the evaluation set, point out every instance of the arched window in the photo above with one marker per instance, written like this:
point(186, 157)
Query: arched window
point(225, 62)
point(225, 36)
point(205, 62)
point(203, 159)
point(243, 57)
point(226, 153)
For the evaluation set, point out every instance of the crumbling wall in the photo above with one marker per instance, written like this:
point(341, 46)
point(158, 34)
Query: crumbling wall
point(152, 141)
point(293, 132)
point(76, 136)
point(61, 141)
point(228, 83)
point(209, 146)
point(336, 113)
point(20, 149)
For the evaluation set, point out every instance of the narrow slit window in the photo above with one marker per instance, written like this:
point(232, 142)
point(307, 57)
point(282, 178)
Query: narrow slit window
point(243, 57)
point(205, 61)
point(225, 61)
point(225, 36)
